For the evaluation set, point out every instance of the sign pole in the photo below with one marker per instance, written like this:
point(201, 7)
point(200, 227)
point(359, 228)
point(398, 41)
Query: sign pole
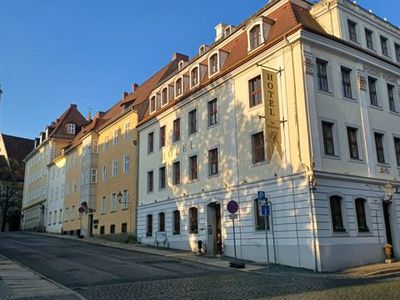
point(234, 238)
point(233, 207)
point(266, 240)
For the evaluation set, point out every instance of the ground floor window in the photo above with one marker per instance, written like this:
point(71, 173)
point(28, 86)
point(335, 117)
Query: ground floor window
point(177, 222)
point(336, 213)
point(361, 216)
point(102, 230)
point(112, 228)
point(161, 222)
point(123, 227)
point(149, 220)
point(193, 220)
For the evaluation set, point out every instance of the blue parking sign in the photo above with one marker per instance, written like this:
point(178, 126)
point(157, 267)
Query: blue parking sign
point(265, 210)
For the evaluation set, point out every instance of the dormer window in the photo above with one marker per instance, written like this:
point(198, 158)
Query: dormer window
point(203, 49)
point(178, 87)
point(152, 104)
point(194, 77)
point(228, 30)
point(71, 128)
point(181, 64)
point(255, 36)
point(164, 96)
point(213, 63)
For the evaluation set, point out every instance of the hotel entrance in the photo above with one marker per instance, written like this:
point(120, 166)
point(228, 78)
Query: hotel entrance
point(214, 234)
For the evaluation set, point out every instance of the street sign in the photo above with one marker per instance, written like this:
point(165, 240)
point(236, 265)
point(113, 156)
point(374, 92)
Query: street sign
point(265, 210)
point(233, 216)
point(261, 196)
point(232, 206)
point(81, 210)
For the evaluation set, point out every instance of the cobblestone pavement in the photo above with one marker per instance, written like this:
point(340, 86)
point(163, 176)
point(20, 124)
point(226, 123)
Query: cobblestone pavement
point(98, 272)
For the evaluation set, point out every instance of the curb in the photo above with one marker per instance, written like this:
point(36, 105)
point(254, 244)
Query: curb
point(387, 272)
point(79, 296)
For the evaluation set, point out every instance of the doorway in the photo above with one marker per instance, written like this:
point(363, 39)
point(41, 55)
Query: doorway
point(386, 216)
point(214, 233)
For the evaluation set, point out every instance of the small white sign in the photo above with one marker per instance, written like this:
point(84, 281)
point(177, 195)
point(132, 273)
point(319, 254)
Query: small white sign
point(233, 216)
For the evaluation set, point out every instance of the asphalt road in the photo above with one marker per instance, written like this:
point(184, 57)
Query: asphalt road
point(98, 272)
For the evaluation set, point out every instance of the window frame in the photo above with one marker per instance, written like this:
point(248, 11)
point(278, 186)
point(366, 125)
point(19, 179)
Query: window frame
point(369, 39)
point(192, 122)
point(162, 179)
point(327, 139)
point(212, 112)
point(193, 218)
point(255, 91)
point(391, 98)
point(149, 225)
point(150, 142)
point(176, 217)
point(193, 172)
point(352, 143)
point(150, 181)
point(255, 36)
point(347, 89)
point(373, 91)
point(161, 221)
point(255, 148)
point(213, 63)
point(352, 31)
point(176, 172)
point(176, 130)
point(322, 77)
point(194, 74)
point(380, 147)
point(213, 161)
point(384, 46)
point(162, 136)
point(396, 143)
point(336, 211)
point(361, 214)
point(397, 51)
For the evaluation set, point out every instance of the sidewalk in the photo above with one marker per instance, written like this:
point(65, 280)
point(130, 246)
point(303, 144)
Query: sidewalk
point(374, 270)
point(18, 282)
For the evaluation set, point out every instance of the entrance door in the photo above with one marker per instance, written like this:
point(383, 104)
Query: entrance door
point(90, 225)
point(214, 234)
point(386, 215)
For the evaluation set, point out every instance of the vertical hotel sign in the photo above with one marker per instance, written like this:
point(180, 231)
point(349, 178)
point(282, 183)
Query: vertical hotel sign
point(272, 118)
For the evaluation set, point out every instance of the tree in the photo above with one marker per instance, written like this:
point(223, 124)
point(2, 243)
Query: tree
point(11, 190)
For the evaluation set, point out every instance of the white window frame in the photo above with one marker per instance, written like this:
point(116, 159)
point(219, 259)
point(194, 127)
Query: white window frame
point(93, 175)
point(127, 127)
point(210, 73)
point(126, 163)
point(71, 128)
point(198, 76)
point(114, 172)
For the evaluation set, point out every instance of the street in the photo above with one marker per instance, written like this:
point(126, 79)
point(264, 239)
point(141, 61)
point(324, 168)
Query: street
point(98, 272)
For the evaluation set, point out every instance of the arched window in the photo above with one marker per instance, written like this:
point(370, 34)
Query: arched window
point(153, 104)
point(177, 222)
point(149, 224)
point(214, 63)
point(194, 76)
point(336, 213)
point(193, 220)
point(161, 222)
point(164, 96)
point(255, 36)
point(361, 216)
point(178, 86)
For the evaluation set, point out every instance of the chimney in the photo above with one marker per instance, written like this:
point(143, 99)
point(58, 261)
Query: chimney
point(134, 87)
point(179, 56)
point(220, 31)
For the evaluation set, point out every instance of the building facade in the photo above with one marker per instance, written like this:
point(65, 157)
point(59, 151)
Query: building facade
point(47, 147)
point(299, 101)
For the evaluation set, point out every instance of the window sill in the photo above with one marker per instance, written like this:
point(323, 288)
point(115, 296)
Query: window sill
point(352, 100)
point(212, 126)
point(383, 165)
point(357, 160)
point(376, 107)
point(395, 113)
point(328, 93)
point(338, 233)
point(335, 157)
point(162, 189)
point(176, 233)
point(256, 106)
point(258, 164)
point(213, 175)
point(192, 134)
point(193, 180)
point(114, 211)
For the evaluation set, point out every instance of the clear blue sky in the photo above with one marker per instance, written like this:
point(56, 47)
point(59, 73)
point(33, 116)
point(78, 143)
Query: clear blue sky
point(88, 52)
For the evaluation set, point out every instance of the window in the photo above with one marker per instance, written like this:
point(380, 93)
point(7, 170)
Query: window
point(397, 51)
point(102, 230)
point(336, 212)
point(124, 227)
point(93, 176)
point(106, 143)
point(161, 221)
point(125, 199)
point(392, 105)
point(115, 168)
point(149, 221)
point(126, 162)
point(255, 36)
point(113, 202)
point(213, 161)
point(353, 145)
point(50, 218)
point(322, 75)
point(162, 136)
point(164, 96)
point(115, 136)
point(255, 96)
point(95, 147)
point(126, 134)
point(397, 149)
point(368, 38)
point(257, 147)
point(104, 173)
point(71, 128)
point(192, 121)
point(177, 222)
point(176, 167)
point(212, 112)
point(327, 133)
point(178, 87)
point(384, 46)
point(346, 82)
point(176, 130)
point(193, 167)
point(194, 76)
point(361, 216)
point(150, 181)
point(112, 228)
point(152, 104)
point(380, 154)
point(66, 217)
point(60, 217)
point(214, 64)
point(73, 213)
point(259, 220)
point(372, 91)
point(161, 179)
point(352, 30)
point(193, 220)
point(150, 142)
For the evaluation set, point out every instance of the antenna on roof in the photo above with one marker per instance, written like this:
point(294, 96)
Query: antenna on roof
point(89, 115)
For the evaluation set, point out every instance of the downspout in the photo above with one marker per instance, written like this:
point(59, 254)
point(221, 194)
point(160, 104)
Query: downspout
point(137, 180)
